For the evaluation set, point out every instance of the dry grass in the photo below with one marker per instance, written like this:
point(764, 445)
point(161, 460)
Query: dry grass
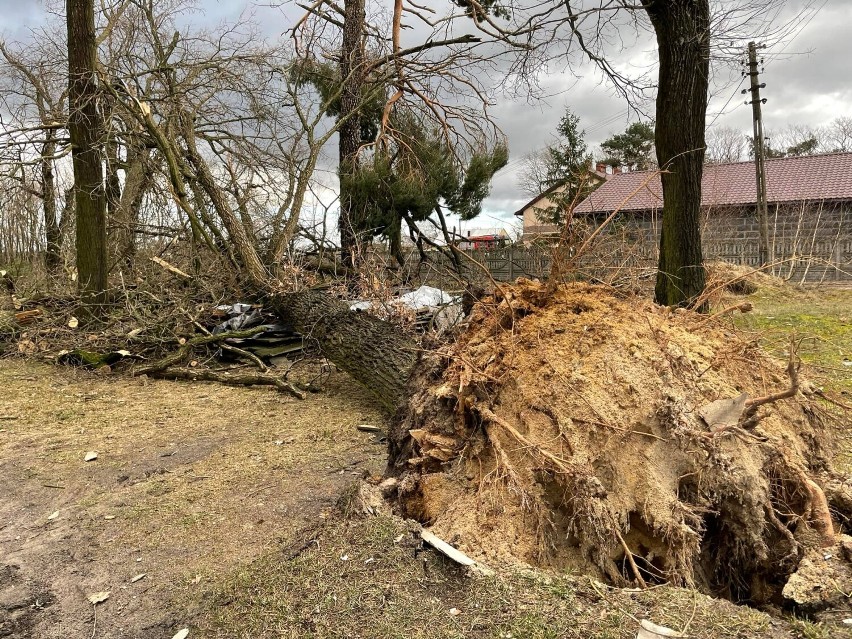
point(368, 578)
point(196, 479)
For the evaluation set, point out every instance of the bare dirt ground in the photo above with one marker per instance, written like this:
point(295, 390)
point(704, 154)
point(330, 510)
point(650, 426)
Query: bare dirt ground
point(191, 481)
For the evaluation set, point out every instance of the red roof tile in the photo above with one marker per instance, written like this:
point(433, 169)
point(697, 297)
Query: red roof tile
point(814, 178)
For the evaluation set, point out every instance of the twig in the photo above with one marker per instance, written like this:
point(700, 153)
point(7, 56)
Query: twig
point(742, 307)
point(237, 351)
point(685, 630)
point(171, 269)
point(832, 400)
point(610, 601)
point(184, 350)
point(629, 556)
point(619, 428)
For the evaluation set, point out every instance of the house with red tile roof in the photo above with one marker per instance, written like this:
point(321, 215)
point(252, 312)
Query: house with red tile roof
point(810, 178)
point(810, 213)
point(535, 213)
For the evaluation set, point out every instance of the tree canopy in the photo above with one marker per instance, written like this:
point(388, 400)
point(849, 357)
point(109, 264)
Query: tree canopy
point(563, 164)
point(568, 158)
point(407, 179)
point(632, 148)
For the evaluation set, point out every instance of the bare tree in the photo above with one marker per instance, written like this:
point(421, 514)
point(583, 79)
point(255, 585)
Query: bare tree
point(532, 176)
point(725, 144)
point(839, 134)
point(795, 140)
point(85, 125)
point(236, 137)
point(34, 98)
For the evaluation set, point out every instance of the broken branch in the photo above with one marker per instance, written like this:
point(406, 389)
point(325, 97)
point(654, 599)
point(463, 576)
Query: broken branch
point(224, 377)
point(752, 405)
point(183, 351)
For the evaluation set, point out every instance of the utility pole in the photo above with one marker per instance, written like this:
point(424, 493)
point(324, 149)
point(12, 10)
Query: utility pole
point(759, 152)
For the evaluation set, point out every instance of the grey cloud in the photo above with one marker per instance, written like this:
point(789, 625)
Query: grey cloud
point(806, 89)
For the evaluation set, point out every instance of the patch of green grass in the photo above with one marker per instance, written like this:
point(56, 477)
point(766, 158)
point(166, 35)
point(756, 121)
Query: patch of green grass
point(371, 579)
point(808, 630)
point(820, 321)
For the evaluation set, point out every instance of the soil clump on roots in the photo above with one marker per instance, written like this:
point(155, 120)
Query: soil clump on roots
point(574, 428)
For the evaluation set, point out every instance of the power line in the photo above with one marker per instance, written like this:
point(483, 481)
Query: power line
point(801, 28)
point(722, 110)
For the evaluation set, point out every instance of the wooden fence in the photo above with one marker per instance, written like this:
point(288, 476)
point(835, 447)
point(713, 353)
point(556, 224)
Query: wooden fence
point(826, 262)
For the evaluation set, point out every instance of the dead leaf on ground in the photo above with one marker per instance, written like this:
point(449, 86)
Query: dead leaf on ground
point(182, 634)
point(27, 347)
point(141, 575)
point(90, 456)
point(53, 515)
point(98, 597)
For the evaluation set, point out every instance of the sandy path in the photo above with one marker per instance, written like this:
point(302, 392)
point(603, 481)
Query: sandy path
point(191, 481)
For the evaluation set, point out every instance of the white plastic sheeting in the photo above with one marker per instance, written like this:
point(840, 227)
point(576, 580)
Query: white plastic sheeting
point(444, 309)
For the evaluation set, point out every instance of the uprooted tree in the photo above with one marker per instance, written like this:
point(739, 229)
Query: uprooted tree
point(578, 428)
point(573, 427)
point(568, 425)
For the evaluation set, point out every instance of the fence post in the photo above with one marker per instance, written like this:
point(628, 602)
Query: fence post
point(837, 261)
point(511, 263)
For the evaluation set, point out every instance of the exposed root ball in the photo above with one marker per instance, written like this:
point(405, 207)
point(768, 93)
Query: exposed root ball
point(563, 429)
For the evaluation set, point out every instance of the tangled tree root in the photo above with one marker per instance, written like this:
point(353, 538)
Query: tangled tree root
point(562, 429)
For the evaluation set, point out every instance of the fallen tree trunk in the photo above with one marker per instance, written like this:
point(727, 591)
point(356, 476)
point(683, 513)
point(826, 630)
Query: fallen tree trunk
point(375, 353)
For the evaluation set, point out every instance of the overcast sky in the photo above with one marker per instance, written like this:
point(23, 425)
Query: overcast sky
point(809, 84)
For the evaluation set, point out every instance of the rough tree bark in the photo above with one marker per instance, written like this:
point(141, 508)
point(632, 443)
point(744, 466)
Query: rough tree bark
point(374, 352)
point(138, 179)
point(683, 41)
point(52, 233)
point(351, 74)
point(85, 125)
